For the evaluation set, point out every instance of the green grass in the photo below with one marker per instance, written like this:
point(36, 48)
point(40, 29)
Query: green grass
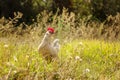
point(78, 60)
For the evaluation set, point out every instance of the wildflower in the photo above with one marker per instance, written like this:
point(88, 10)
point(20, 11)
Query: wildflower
point(15, 71)
point(5, 46)
point(87, 70)
point(78, 58)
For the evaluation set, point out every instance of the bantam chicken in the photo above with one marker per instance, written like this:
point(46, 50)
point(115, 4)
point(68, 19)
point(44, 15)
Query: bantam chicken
point(48, 49)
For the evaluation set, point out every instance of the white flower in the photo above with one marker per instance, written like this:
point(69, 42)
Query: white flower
point(80, 43)
point(78, 58)
point(6, 46)
point(87, 70)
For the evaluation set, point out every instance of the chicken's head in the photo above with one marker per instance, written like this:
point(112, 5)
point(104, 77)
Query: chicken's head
point(50, 30)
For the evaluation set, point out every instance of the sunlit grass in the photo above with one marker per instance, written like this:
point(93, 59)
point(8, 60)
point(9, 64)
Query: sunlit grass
point(78, 60)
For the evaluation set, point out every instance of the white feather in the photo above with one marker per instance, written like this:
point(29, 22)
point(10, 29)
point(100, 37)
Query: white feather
point(48, 48)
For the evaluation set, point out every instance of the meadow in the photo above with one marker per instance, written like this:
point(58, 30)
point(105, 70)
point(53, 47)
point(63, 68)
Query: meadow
point(90, 50)
point(79, 59)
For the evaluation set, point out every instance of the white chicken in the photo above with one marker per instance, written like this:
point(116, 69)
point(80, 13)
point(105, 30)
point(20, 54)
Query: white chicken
point(48, 49)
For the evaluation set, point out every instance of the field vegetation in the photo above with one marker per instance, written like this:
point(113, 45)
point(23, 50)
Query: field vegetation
point(78, 60)
point(90, 50)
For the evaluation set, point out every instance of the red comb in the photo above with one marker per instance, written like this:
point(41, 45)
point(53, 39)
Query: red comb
point(50, 29)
